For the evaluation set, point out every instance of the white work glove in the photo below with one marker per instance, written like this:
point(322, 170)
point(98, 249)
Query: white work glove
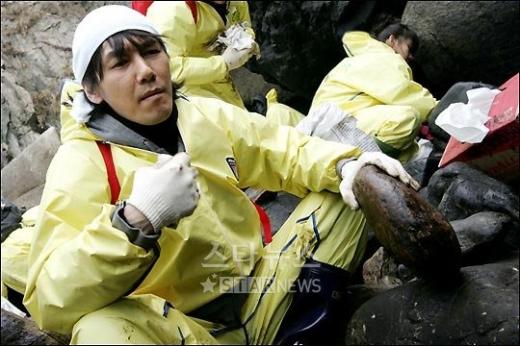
point(385, 162)
point(236, 58)
point(166, 191)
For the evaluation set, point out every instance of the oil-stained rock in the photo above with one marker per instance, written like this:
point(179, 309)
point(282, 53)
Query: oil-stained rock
point(459, 191)
point(486, 236)
point(18, 330)
point(406, 225)
point(479, 309)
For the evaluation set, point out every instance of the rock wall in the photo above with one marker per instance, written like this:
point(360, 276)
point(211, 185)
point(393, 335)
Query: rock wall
point(465, 41)
point(36, 57)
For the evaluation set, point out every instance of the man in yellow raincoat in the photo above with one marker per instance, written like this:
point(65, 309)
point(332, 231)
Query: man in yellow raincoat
point(154, 241)
point(189, 28)
point(374, 84)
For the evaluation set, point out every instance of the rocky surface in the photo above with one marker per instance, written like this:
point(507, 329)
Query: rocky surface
point(405, 224)
point(474, 41)
point(18, 330)
point(36, 57)
point(479, 309)
point(459, 191)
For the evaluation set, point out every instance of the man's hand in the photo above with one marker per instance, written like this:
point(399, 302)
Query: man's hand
point(236, 58)
point(386, 163)
point(166, 191)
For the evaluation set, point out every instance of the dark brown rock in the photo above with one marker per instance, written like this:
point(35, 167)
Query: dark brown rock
point(406, 225)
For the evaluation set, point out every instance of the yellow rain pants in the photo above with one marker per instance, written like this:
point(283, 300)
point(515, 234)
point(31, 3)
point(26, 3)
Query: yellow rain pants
point(322, 227)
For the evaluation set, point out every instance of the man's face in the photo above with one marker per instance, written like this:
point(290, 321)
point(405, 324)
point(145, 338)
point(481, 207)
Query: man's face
point(401, 46)
point(137, 84)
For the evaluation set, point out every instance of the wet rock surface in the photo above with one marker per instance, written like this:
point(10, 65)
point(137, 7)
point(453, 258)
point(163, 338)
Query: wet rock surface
point(380, 271)
point(453, 34)
point(459, 191)
point(486, 236)
point(18, 330)
point(481, 309)
point(406, 225)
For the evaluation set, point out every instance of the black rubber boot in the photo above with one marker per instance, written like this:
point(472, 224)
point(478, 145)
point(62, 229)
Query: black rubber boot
point(259, 105)
point(315, 312)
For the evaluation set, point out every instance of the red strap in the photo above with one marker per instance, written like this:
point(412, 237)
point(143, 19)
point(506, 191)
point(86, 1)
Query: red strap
point(141, 6)
point(266, 223)
point(115, 188)
point(193, 8)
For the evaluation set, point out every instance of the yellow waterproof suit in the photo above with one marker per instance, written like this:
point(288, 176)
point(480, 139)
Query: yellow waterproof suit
point(87, 278)
point(200, 71)
point(375, 85)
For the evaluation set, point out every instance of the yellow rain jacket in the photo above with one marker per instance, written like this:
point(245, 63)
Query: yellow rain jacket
point(202, 72)
point(79, 262)
point(375, 85)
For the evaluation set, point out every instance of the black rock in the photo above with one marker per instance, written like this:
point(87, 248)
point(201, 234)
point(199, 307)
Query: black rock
point(452, 34)
point(486, 236)
point(459, 191)
point(480, 309)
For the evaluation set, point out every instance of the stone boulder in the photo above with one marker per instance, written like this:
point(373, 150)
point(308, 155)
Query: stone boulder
point(480, 309)
point(465, 41)
point(18, 330)
point(458, 191)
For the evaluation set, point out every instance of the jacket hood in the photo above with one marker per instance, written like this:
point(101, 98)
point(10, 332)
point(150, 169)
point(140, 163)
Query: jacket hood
point(70, 128)
point(359, 43)
point(101, 127)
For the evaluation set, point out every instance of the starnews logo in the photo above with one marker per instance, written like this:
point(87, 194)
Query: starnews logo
point(258, 285)
point(245, 256)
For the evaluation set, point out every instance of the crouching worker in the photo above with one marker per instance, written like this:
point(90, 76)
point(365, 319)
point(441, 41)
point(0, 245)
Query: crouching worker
point(144, 234)
point(374, 86)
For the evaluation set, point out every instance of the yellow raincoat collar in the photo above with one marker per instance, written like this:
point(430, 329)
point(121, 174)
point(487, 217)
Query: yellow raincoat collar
point(102, 127)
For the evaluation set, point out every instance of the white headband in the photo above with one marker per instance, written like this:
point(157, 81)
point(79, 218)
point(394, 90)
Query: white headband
point(91, 32)
point(99, 25)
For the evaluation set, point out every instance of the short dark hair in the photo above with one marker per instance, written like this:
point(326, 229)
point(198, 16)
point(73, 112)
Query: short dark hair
point(400, 31)
point(137, 38)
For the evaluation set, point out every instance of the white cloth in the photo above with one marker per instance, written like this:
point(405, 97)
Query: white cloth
point(466, 122)
point(331, 123)
point(99, 25)
point(236, 37)
point(81, 108)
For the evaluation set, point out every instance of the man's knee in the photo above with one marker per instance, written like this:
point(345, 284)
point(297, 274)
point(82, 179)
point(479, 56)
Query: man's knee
point(107, 327)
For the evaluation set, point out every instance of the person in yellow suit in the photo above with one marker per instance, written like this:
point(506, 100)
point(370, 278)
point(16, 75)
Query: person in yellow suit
point(189, 28)
point(374, 84)
point(174, 255)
